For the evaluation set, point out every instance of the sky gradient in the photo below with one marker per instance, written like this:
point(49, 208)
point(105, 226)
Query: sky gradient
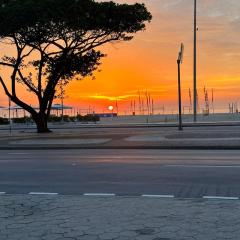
point(148, 62)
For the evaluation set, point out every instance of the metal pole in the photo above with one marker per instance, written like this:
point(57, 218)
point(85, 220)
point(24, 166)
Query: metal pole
point(179, 97)
point(9, 116)
point(195, 63)
point(62, 98)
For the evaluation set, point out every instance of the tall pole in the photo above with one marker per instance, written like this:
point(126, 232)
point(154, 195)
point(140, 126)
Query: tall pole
point(195, 63)
point(140, 103)
point(62, 99)
point(9, 116)
point(179, 97)
point(213, 102)
point(179, 61)
point(117, 106)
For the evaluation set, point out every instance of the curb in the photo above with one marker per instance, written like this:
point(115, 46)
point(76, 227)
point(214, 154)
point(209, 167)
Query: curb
point(137, 125)
point(60, 147)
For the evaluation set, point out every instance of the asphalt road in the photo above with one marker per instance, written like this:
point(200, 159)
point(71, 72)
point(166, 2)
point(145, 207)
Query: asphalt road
point(184, 174)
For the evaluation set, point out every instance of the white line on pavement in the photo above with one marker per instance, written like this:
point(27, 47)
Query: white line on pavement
point(100, 194)
point(204, 166)
point(163, 157)
point(42, 193)
point(18, 153)
point(1, 193)
point(222, 198)
point(158, 196)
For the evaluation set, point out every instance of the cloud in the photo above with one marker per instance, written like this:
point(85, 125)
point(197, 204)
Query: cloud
point(111, 98)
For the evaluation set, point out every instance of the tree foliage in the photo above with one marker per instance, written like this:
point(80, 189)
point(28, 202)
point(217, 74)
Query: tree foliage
point(58, 40)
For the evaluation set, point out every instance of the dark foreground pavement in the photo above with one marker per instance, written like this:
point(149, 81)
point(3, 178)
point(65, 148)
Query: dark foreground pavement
point(116, 218)
point(161, 194)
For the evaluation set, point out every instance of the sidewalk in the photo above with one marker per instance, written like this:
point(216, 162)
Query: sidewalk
point(125, 138)
point(108, 218)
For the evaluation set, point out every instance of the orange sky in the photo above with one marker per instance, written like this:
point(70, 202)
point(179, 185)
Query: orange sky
point(149, 61)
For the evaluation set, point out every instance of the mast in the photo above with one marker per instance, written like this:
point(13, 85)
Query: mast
point(195, 63)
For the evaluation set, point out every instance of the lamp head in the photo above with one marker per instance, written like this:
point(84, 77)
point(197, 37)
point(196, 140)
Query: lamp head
point(180, 55)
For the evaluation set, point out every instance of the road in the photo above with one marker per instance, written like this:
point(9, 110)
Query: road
point(182, 173)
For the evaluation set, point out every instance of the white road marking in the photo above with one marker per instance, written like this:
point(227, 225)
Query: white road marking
point(221, 198)
point(158, 196)
point(163, 157)
point(42, 193)
point(204, 166)
point(118, 157)
point(100, 194)
point(60, 141)
point(1, 193)
point(18, 153)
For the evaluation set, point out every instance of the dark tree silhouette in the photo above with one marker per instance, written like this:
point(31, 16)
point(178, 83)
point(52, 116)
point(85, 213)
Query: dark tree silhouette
point(58, 40)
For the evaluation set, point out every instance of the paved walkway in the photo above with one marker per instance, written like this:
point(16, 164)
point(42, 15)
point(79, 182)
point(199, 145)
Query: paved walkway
point(141, 138)
point(114, 218)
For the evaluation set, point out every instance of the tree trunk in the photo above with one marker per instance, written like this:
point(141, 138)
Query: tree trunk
point(41, 122)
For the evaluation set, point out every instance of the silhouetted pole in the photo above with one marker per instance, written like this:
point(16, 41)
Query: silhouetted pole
point(213, 108)
point(179, 61)
point(195, 64)
point(179, 97)
point(140, 103)
point(190, 100)
point(117, 106)
point(9, 116)
point(62, 98)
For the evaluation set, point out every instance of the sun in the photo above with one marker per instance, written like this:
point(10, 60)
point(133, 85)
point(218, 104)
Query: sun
point(110, 108)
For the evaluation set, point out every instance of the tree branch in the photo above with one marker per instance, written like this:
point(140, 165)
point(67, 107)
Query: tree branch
point(92, 46)
point(6, 64)
point(16, 66)
point(5, 88)
point(31, 88)
point(16, 100)
point(26, 55)
point(40, 76)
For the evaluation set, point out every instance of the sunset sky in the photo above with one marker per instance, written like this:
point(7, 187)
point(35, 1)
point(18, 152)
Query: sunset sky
point(148, 62)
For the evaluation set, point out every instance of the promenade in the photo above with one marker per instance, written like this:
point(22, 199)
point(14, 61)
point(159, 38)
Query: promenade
point(151, 136)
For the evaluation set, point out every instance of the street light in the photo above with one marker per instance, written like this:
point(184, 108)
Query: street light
point(179, 62)
point(195, 62)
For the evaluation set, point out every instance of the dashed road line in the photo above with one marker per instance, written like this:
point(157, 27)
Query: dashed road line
point(157, 196)
point(220, 198)
point(42, 193)
point(100, 194)
point(143, 195)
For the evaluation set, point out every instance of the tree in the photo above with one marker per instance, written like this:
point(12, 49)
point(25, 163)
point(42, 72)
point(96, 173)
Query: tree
point(58, 40)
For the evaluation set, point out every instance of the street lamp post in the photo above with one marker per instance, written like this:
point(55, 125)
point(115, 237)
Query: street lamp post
point(179, 62)
point(195, 63)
